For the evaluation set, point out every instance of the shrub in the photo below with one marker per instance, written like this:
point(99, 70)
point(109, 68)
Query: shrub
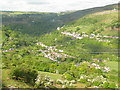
point(109, 85)
point(68, 76)
point(105, 85)
point(96, 83)
point(25, 74)
point(82, 80)
point(78, 28)
point(88, 84)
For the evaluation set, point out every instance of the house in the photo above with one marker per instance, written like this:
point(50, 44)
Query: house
point(11, 48)
point(60, 50)
point(58, 28)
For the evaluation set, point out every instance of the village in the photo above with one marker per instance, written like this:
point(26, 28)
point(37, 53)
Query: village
point(83, 35)
point(52, 53)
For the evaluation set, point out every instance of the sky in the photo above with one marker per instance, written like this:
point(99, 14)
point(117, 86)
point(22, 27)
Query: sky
point(52, 5)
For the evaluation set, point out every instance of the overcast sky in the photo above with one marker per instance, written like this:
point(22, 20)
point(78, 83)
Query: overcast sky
point(52, 5)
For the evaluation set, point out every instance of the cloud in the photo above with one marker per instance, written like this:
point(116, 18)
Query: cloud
point(52, 5)
point(37, 2)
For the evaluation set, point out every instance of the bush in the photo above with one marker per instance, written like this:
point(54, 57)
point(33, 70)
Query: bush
point(68, 76)
point(24, 73)
point(82, 80)
point(96, 83)
point(78, 28)
point(44, 82)
point(105, 85)
point(109, 85)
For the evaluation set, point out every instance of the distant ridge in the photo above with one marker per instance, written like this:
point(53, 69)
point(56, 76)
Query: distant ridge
point(35, 22)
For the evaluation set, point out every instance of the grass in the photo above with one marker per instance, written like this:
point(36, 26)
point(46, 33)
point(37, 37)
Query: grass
point(19, 13)
point(79, 85)
point(113, 65)
point(110, 32)
point(53, 76)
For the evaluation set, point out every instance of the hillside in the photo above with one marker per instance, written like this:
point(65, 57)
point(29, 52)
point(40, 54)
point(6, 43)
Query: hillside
point(37, 23)
point(34, 24)
point(68, 17)
point(79, 54)
point(88, 31)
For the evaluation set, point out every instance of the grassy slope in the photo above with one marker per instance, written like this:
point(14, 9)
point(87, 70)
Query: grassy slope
point(88, 24)
point(52, 75)
point(8, 82)
point(93, 23)
point(68, 17)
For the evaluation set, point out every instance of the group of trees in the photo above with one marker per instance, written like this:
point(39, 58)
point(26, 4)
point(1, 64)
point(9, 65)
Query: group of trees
point(33, 24)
